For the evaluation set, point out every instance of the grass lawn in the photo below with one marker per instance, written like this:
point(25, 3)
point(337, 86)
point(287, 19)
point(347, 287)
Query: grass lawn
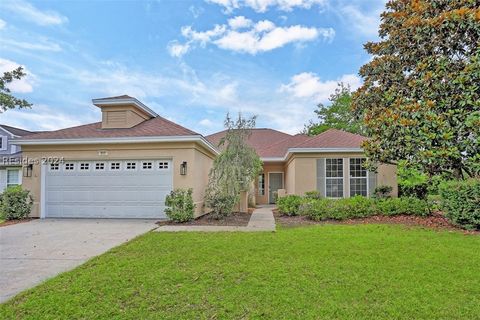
point(321, 272)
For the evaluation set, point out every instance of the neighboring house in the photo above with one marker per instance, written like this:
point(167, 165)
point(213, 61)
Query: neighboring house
point(10, 156)
point(330, 163)
point(125, 165)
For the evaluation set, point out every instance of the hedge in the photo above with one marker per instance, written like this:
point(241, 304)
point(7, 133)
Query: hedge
point(460, 200)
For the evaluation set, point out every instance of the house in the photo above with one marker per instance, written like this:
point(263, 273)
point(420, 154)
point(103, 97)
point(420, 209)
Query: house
point(125, 165)
point(330, 163)
point(10, 156)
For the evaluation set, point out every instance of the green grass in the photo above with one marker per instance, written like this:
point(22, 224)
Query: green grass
point(317, 272)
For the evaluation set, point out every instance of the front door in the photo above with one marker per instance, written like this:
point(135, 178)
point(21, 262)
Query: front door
point(275, 182)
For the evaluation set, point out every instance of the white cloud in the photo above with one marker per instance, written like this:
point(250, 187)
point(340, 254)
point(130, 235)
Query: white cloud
point(30, 13)
point(2, 24)
point(239, 22)
point(308, 85)
point(23, 85)
point(261, 37)
point(41, 44)
point(177, 49)
point(42, 117)
point(264, 5)
point(206, 123)
point(364, 23)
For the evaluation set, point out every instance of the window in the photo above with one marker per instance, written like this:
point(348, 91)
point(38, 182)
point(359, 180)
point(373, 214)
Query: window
point(3, 143)
point(99, 166)
point(163, 165)
point(13, 177)
point(85, 166)
point(115, 166)
point(261, 184)
point(131, 166)
point(358, 177)
point(148, 165)
point(54, 166)
point(334, 178)
point(69, 166)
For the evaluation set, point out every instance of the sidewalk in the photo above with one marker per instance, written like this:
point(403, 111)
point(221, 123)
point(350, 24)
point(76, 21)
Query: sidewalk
point(261, 220)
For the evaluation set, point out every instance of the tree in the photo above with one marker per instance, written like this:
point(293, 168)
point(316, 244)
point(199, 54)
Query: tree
point(234, 169)
point(7, 100)
point(420, 100)
point(338, 114)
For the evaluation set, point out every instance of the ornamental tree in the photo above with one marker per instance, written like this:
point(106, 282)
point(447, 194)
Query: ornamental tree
point(420, 100)
point(338, 114)
point(234, 169)
point(7, 100)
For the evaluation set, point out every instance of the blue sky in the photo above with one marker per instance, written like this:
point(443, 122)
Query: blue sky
point(190, 61)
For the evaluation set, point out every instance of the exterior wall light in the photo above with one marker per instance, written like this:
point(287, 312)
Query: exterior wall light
point(27, 170)
point(183, 168)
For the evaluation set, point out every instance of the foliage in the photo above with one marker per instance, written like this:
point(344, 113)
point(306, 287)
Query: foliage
point(180, 206)
point(289, 205)
point(7, 100)
point(361, 207)
point(337, 115)
point(234, 169)
point(420, 100)
point(314, 194)
point(404, 205)
point(15, 203)
point(461, 202)
point(357, 267)
point(381, 192)
point(411, 181)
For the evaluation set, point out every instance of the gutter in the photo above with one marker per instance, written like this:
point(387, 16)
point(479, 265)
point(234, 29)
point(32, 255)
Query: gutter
point(310, 150)
point(117, 140)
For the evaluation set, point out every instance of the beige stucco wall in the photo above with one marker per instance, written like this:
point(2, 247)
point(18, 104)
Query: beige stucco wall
point(301, 172)
point(267, 168)
point(199, 161)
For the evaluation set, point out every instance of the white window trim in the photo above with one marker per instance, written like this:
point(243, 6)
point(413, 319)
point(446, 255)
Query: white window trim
point(19, 171)
point(69, 170)
point(334, 178)
point(168, 162)
point(4, 143)
point(55, 164)
point(147, 169)
point(100, 162)
point(350, 179)
point(84, 170)
point(136, 165)
point(115, 170)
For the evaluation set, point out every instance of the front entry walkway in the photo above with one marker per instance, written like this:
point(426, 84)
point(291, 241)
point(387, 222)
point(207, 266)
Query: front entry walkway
point(261, 220)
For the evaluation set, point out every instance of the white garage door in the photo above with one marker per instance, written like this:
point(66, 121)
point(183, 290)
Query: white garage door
point(107, 189)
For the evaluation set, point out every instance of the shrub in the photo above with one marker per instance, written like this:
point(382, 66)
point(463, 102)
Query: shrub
point(221, 203)
point(289, 205)
point(180, 205)
point(339, 209)
point(461, 202)
point(382, 192)
point(405, 205)
point(313, 194)
point(15, 203)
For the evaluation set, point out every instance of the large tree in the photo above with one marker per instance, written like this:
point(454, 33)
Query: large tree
point(7, 100)
point(234, 169)
point(420, 101)
point(338, 114)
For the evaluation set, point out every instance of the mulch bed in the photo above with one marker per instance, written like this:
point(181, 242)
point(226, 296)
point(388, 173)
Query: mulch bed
point(436, 221)
point(10, 222)
point(237, 219)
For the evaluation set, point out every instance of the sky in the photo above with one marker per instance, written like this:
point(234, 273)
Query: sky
point(190, 61)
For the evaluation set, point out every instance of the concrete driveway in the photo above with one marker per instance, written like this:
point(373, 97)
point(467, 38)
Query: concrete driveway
point(34, 251)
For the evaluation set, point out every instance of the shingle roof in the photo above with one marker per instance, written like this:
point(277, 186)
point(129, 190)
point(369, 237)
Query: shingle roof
point(16, 131)
point(260, 138)
point(333, 138)
point(269, 143)
point(157, 126)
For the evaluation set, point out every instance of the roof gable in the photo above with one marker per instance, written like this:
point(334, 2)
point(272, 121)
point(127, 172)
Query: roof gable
point(15, 131)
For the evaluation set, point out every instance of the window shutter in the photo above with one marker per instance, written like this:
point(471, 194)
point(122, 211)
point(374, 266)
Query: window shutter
point(372, 182)
point(321, 176)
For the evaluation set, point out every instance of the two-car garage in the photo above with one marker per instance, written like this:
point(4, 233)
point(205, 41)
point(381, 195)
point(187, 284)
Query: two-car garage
point(107, 189)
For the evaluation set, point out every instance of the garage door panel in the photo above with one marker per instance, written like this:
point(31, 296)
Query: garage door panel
point(107, 193)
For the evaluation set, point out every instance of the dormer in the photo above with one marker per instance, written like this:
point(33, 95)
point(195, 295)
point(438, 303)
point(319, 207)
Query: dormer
point(123, 112)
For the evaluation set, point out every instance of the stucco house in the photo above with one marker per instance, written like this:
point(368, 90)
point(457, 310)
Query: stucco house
point(10, 156)
point(125, 165)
